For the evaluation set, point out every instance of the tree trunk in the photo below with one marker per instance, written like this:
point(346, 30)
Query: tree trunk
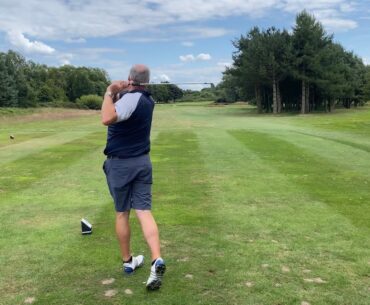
point(258, 99)
point(307, 110)
point(266, 100)
point(274, 96)
point(314, 105)
point(278, 96)
point(303, 99)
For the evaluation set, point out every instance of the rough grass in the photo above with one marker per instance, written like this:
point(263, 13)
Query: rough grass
point(251, 209)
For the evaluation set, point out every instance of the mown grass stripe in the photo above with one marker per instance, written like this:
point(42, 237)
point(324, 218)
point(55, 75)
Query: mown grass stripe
point(6, 141)
point(23, 172)
point(347, 192)
point(41, 240)
point(351, 144)
point(34, 146)
point(266, 219)
point(179, 201)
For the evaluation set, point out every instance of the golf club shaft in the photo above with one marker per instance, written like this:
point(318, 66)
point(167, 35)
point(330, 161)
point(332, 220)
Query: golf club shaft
point(156, 84)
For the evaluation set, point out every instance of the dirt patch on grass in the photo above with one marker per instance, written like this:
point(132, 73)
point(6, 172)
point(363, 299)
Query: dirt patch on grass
point(108, 281)
point(285, 269)
point(316, 280)
point(29, 300)
point(44, 114)
point(110, 293)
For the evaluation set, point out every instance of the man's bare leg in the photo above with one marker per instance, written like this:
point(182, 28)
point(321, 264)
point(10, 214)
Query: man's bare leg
point(123, 234)
point(150, 231)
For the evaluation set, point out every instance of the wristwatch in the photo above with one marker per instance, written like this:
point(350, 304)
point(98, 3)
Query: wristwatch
point(109, 93)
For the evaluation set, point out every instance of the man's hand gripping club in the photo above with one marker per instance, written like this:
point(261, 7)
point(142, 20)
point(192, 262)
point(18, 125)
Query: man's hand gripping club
point(108, 111)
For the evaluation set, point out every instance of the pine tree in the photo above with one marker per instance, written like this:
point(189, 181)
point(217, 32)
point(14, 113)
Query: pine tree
point(309, 39)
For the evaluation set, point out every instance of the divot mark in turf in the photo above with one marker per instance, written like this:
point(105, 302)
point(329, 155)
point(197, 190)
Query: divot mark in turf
point(265, 266)
point(316, 280)
point(189, 276)
point(110, 293)
point(108, 281)
point(128, 291)
point(249, 284)
point(285, 269)
point(29, 300)
point(305, 303)
point(211, 272)
point(306, 271)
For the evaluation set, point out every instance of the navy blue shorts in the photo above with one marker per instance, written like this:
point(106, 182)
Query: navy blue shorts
point(130, 182)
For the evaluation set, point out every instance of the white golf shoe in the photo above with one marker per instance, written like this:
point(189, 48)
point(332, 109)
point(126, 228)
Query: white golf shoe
point(156, 274)
point(137, 261)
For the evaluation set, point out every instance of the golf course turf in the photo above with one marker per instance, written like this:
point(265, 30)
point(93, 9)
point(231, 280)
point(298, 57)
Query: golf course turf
point(252, 209)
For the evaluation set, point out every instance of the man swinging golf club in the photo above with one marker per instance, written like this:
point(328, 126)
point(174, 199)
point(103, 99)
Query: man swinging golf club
point(127, 110)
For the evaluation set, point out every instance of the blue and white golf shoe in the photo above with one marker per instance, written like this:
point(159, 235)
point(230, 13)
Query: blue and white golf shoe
point(156, 274)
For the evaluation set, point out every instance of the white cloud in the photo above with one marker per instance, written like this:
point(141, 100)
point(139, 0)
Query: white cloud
point(17, 39)
point(224, 64)
point(64, 62)
point(65, 59)
point(66, 20)
point(347, 7)
point(331, 13)
point(73, 21)
point(187, 43)
point(294, 6)
point(203, 56)
point(205, 32)
point(164, 78)
point(75, 40)
point(189, 57)
point(338, 24)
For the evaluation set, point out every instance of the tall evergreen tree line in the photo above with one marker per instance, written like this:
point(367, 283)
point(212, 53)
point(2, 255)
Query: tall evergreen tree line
point(304, 70)
point(27, 84)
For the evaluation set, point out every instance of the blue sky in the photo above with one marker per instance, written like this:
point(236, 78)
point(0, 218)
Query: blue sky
point(181, 41)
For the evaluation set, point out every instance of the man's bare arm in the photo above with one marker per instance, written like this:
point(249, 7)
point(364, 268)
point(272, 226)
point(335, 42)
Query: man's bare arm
point(108, 110)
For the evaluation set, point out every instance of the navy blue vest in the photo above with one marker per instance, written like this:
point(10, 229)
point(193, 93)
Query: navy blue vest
point(131, 137)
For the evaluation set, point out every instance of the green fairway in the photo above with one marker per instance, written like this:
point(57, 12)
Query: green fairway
point(252, 209)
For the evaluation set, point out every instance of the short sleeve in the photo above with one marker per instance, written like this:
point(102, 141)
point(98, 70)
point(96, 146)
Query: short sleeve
point(126, 106)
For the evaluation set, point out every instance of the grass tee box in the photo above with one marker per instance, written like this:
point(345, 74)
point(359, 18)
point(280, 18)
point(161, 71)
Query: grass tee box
point(252, 209)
